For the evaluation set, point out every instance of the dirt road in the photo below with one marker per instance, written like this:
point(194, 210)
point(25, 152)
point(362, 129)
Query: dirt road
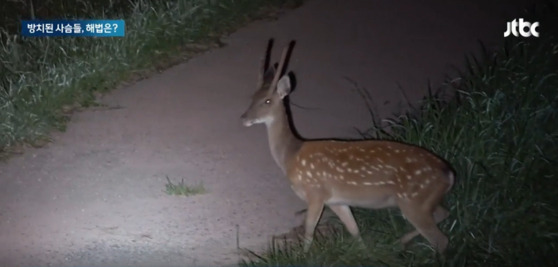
point(95, 196)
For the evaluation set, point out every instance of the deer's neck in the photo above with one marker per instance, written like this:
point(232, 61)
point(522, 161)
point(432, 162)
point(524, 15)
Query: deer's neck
point(282, 142)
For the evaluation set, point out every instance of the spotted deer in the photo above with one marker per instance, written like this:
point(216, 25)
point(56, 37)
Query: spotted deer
point(371, 174)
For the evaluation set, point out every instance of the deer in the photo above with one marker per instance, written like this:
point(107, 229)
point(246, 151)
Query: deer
point(340, 174)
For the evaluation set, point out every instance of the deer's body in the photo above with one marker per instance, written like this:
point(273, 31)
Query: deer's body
point(370, 174)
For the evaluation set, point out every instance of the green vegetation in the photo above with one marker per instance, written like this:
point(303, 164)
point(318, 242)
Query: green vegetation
point(42, 80)
point(500, 133)
point(182, 189)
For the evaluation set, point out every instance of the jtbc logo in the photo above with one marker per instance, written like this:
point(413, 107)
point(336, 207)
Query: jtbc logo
point(525, 28)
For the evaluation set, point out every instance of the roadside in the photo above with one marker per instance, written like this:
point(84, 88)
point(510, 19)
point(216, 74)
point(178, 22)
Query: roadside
point(95, 195)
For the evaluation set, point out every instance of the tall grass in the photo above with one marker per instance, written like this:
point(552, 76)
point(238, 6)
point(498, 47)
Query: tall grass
point(500, 133)
point(43, 78)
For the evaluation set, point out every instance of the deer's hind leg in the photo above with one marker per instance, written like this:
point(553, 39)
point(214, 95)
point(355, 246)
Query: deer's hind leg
point(425, 224)
point(439, 215)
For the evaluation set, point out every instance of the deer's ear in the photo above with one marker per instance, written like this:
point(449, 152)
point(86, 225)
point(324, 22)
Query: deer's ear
point(270, 72)
point(267, 75)
point(284, 86)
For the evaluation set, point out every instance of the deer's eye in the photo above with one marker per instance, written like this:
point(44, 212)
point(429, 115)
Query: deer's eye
point(267, 101)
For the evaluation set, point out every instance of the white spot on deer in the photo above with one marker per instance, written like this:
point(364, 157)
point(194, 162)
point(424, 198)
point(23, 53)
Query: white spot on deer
point(303, 162)
point(380, 160)
point(402, 169)
point(352, 182)
point(390, 182)
point(427, 181)
point(341, 177)
point(399, 195)
point(414, 194)
point(410, 160)
point(340, 170)
point(309, 174)
point(396, 151)
point(299, 177)
point(344, 164)
point(367, 183)
point(392, 168)
point(409, 177)
point(418, 172)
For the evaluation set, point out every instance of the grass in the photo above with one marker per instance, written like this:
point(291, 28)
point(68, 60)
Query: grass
point(500, 133)
point(42, 80)
point(182, 189)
